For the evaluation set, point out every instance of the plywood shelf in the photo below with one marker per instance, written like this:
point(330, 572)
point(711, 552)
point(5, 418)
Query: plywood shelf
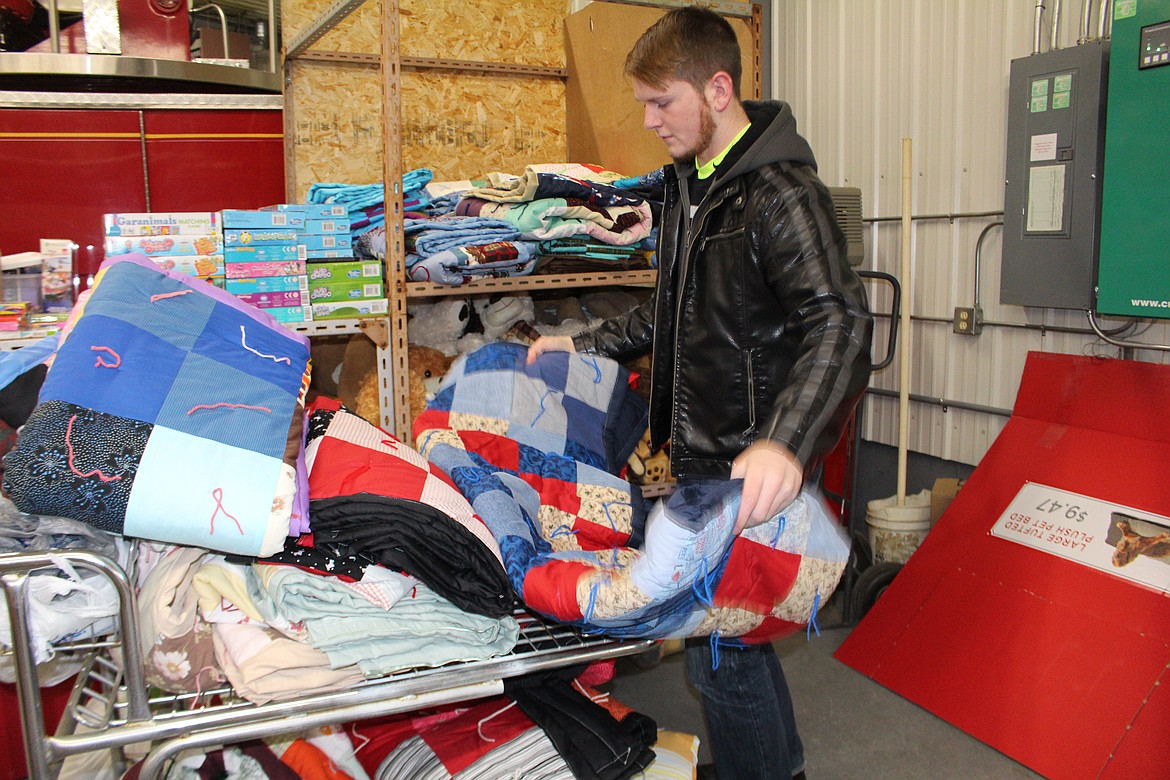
point(643, 278)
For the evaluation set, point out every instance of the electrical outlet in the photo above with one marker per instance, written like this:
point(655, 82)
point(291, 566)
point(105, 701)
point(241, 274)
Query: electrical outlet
point(968, 321)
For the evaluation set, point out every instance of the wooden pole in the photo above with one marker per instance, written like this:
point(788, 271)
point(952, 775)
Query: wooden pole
point(904, 315)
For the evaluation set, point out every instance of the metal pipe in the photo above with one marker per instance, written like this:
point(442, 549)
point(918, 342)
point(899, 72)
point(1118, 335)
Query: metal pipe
point(54, 28)
point(946, 403)
point(1119, 342)
point(1105, 19)
point(28, 692)
point(978, 262)
point(1086, 20)
point(272, 36)
point(155, 763)
point(1043, 329)
point(1054, 27)
point(222, 25)
point(1036, 26)
point(949, 217)
point(904, 353)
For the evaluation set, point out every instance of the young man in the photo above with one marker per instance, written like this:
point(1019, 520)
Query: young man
point(758, 328)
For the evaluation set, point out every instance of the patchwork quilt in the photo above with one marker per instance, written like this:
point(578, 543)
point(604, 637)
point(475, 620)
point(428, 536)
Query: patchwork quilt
point(535, 449)
point(173, 412)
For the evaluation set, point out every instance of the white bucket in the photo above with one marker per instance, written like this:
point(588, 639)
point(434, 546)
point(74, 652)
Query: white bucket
point(896, 531)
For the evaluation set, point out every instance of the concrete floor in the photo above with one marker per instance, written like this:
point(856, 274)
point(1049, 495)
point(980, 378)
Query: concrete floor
point(851, 726)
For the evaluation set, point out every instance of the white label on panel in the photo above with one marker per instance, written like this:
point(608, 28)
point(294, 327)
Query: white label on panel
point(1046, 198)
point(1043, 147)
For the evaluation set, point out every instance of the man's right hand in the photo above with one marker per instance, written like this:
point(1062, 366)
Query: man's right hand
point(549, 344)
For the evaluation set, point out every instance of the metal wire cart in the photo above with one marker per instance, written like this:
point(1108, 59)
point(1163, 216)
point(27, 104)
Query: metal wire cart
point(111, 707)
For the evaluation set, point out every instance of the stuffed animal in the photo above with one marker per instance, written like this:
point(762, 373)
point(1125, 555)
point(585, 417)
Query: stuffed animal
point(440, 325)
point(358, 387)
point(427, 369)
point(647, 467)
point(497, 316)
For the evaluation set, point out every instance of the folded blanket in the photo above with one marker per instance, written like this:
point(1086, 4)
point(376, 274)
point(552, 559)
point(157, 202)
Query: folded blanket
point(548, 218)
point(428, 236)
point(173, 411)
point(374, 497)
point(462, 264)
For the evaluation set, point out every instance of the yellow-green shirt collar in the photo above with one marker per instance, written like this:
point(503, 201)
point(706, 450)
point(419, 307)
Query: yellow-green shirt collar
point(707, 169)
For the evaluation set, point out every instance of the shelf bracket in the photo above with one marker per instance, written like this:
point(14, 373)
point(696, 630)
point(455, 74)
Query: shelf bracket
point(377, 330)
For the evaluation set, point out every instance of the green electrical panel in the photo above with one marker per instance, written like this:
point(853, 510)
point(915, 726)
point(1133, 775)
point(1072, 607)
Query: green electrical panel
point(1133, 269)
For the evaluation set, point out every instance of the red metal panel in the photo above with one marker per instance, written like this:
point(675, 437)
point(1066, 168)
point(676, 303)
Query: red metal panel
point(211, 160)
point(1052, 662)
point(63, 169)
point(149, 28)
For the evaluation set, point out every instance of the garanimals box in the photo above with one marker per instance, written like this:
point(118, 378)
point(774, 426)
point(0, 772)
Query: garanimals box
point(162, 223)
point(192, 265)
point(152, 246)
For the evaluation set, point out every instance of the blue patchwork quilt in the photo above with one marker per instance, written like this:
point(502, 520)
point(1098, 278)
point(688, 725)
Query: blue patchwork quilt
point(172, 411)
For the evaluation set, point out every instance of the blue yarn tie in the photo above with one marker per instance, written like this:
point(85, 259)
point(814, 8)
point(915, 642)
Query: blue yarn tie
point(592, 361)
point(812, 621)
point(714, 649)
point(781, 522)
point(588, 616)
point(540, 414)
point(704, 579)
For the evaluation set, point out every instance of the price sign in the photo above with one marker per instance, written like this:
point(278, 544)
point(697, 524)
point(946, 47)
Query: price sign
point(1125, 542)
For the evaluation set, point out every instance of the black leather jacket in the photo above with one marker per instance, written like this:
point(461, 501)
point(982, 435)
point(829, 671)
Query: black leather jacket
point(758, 327)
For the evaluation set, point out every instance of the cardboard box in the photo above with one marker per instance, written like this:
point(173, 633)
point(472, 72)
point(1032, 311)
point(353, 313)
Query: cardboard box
point(944, 490)
point(314, 210)
point(267, 284)
point(152, 246)
point(162, 223)
point(335, 225)
point(347, 309)
point(242, 218)
point(329, 254)
point(271, 268)
point(264, 253)
point(358, 269)
point(273, 300)
point(57, 274)
point(260, 236)
point(318, 241)
point(346, 290)
point(290, 313)
point(192, 265)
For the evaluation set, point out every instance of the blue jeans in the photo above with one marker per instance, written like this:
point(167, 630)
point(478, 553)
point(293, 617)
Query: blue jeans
point(748, 709)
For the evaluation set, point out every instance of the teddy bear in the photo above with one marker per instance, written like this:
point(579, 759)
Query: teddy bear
point(358, 385)
point(647, 467)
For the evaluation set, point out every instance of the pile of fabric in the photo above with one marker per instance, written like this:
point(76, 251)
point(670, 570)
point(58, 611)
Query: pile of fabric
point(552, 218)
point(535, 449)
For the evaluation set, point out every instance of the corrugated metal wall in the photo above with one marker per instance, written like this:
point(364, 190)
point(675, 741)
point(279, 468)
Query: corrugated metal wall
point(862, 75)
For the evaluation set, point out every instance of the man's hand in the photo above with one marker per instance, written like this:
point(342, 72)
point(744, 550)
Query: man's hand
point(771, 479)
point(549, 344)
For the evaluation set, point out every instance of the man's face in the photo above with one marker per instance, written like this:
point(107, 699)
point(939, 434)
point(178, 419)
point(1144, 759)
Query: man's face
point(681, 116)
